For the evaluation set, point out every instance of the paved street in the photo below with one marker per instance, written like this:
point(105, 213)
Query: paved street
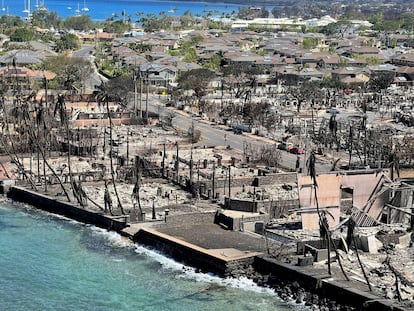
point(213, 135)
point(95, 78)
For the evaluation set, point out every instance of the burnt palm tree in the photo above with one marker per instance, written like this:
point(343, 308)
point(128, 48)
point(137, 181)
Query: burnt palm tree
point(60, 110)
point(103, 97)
point(135, 191)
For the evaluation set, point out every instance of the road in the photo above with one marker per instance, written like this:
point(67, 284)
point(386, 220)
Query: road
point(86, 52)
point(214, 135)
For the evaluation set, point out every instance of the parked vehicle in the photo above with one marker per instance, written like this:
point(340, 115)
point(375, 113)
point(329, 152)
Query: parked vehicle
point(282, 146)
point(332, 111)
point(296, 150)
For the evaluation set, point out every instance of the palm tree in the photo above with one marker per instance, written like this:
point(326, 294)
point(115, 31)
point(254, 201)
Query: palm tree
point(77, 190)
point(135, 191)
point(103, 96)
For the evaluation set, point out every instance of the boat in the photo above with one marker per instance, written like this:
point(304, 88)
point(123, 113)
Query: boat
point(77, 11)
point(3, 8)
point(26, 7)
point(27, 10)
point(40, 6)
point(85, 8)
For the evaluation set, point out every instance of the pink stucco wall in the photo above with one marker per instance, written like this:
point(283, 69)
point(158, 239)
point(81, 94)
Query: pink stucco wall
point(329, 196)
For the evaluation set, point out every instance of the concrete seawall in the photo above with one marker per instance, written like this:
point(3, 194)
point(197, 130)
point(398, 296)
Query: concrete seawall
point(69, 210)
point(219, 261)
point(323, 285)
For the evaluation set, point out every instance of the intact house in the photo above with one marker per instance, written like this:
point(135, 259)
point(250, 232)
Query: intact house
point(351, 75)
point(403, 59)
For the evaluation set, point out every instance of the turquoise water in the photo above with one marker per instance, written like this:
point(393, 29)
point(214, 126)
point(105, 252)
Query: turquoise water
point(52, 263)
point(102, 9)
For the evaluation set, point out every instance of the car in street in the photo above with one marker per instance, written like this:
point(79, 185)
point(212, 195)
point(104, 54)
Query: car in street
point(297, 150)
point(332, 111)
point(282, 146)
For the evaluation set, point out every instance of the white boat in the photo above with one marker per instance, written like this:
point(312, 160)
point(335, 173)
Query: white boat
point(42, 6)
point(3, 8)
point(26, 7)
point(85, 8)
point(27, 10)
point(77, 11)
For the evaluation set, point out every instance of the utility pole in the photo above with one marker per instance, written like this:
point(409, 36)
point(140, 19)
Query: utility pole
point(135, 91)
point(127, 150)
point(177, 162)
point(198, 179)
point(229, 182)
point(214, 179)
point(140, 95)
point(163, 162)
point(191, 168)
point(146, 98)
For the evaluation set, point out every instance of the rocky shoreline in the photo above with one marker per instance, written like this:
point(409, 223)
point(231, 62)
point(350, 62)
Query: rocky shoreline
point(292, 291)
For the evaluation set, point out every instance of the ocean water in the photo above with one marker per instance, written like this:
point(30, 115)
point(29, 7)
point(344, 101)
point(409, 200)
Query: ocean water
point(52, 263)
point(102, 9)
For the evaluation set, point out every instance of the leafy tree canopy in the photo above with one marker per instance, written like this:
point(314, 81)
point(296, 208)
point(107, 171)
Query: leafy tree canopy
point(71, 71)
point(9, 21)
point(118, 26)
point(22, 35)
point(381, 81)
point(117, 89)
point(68, 41)
point(196, 80)
point(81, 22)
point(46, 19)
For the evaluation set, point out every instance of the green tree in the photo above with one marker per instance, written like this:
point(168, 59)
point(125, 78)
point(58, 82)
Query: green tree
point(46, 19)
point(71, 71)
point(119, 88)
point(81, 22)
point(9, 21)
point(196, 80)
point(140, 47)
point(22, 35)
point(408, 21)
point(214, 63)
point(187, 19)
point(150, 22)
point(310, 43)
point(381, 81)
point(68, 41)
point(118, 27)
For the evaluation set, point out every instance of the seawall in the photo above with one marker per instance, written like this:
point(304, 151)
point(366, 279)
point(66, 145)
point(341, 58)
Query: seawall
point(220, 261)
point(66, 209)
point(323, 285)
